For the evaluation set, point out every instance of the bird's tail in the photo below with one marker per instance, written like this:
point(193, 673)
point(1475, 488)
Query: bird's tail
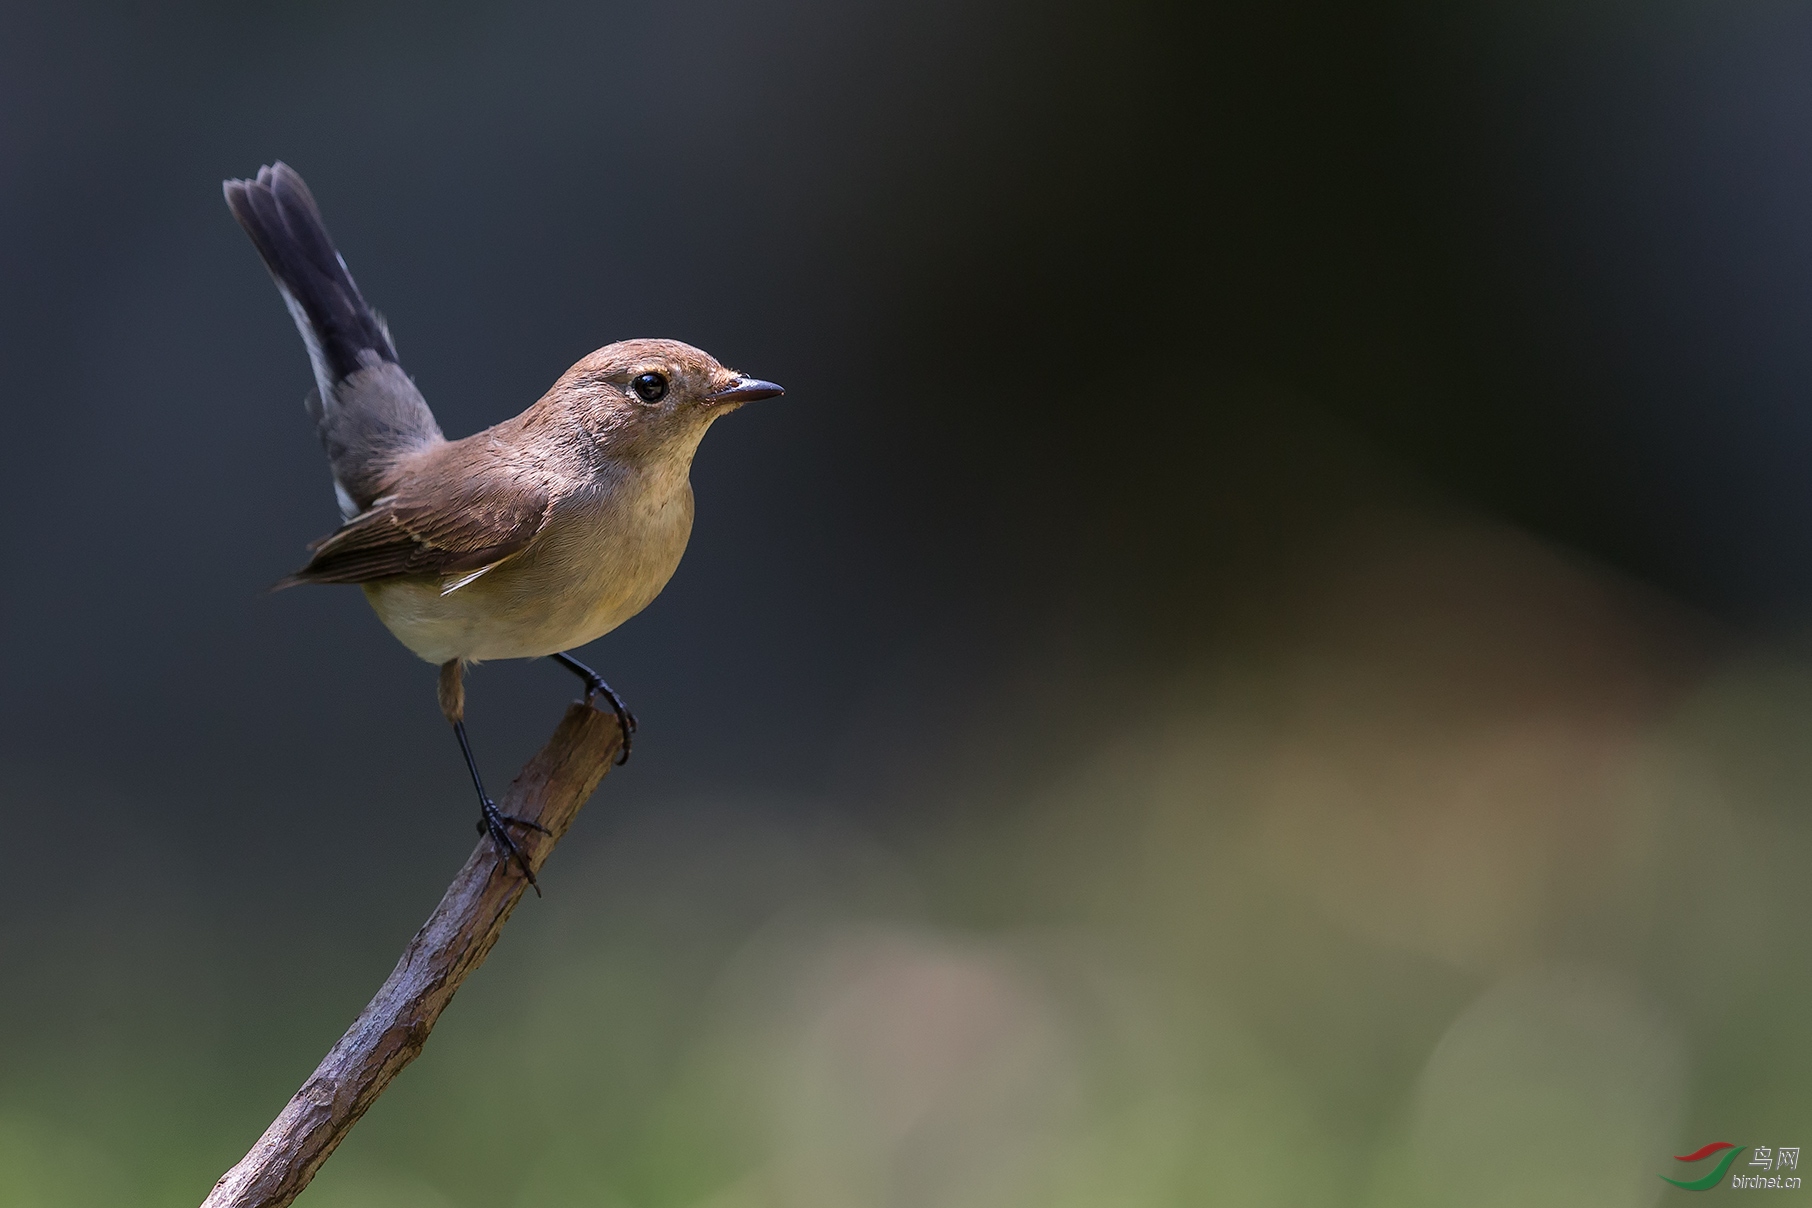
point(367, 408)
point(342, 332)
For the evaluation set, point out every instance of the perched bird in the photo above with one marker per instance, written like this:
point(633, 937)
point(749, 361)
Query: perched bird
point(521, 541)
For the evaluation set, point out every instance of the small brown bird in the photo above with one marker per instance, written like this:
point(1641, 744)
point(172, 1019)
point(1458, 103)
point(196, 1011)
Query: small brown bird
point(521, 541)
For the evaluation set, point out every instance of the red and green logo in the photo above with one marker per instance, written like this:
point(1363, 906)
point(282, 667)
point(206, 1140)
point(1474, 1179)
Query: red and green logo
point(1699, 1155)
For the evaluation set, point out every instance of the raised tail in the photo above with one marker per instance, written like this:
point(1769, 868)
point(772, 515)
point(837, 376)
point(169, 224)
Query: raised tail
point(368, 410)
point(342, 332)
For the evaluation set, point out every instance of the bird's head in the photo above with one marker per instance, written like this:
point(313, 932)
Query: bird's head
point(649, 395)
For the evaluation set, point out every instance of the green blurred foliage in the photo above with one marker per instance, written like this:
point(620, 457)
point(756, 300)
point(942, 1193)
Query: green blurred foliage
point(1466, 874)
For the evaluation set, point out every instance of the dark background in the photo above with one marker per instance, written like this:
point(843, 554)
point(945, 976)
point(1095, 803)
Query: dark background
point(1091, 317)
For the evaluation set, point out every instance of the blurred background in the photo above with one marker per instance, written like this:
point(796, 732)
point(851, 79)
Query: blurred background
point(1261, 661)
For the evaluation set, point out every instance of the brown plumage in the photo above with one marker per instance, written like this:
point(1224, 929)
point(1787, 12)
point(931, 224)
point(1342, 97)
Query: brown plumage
point(446, 515)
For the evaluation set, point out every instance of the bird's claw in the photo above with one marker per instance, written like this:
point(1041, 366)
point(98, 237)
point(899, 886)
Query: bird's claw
point(496, 824)
point(595, 687)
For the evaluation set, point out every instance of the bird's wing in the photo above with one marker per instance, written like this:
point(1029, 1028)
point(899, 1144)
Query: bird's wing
point(429, 528)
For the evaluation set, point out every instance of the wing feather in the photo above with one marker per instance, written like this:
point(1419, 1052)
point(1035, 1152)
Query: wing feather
point(471, 527)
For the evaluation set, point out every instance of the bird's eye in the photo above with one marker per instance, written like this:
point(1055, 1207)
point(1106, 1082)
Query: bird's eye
point(650, 387)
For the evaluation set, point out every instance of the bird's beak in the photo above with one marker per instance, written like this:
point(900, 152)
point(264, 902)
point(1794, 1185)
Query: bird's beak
point(745, 390)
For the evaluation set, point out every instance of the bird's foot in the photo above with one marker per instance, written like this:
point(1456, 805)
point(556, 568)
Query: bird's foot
point(595, 687)
point(625, 719)
point(496, 824)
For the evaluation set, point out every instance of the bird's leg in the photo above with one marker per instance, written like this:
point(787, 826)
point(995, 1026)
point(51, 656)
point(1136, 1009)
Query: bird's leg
point(492, 821)
point(594, 685)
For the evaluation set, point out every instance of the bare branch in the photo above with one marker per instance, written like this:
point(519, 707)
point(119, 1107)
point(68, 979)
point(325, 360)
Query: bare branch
point(394, 1025)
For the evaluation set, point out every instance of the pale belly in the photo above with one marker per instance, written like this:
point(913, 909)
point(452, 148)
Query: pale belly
point(572, 585)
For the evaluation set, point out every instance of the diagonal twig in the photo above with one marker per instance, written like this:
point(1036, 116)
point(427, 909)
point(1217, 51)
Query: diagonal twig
point(390, 1032)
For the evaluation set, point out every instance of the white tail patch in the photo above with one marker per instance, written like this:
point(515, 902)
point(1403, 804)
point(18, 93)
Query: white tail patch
point(317, 360)
point(348, 507)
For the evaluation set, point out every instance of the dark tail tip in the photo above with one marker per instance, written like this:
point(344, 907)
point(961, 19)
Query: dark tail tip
point(279, 213)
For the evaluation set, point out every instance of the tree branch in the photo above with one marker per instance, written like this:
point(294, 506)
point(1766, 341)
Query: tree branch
point(394, 1025)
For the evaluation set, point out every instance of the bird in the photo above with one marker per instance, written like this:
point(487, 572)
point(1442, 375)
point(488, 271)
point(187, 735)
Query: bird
point(526, 540)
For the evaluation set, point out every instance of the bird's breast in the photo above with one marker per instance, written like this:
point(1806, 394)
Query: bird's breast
point(602, 557)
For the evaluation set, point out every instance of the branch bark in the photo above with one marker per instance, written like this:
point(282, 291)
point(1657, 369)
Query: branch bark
point(394, 1025)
